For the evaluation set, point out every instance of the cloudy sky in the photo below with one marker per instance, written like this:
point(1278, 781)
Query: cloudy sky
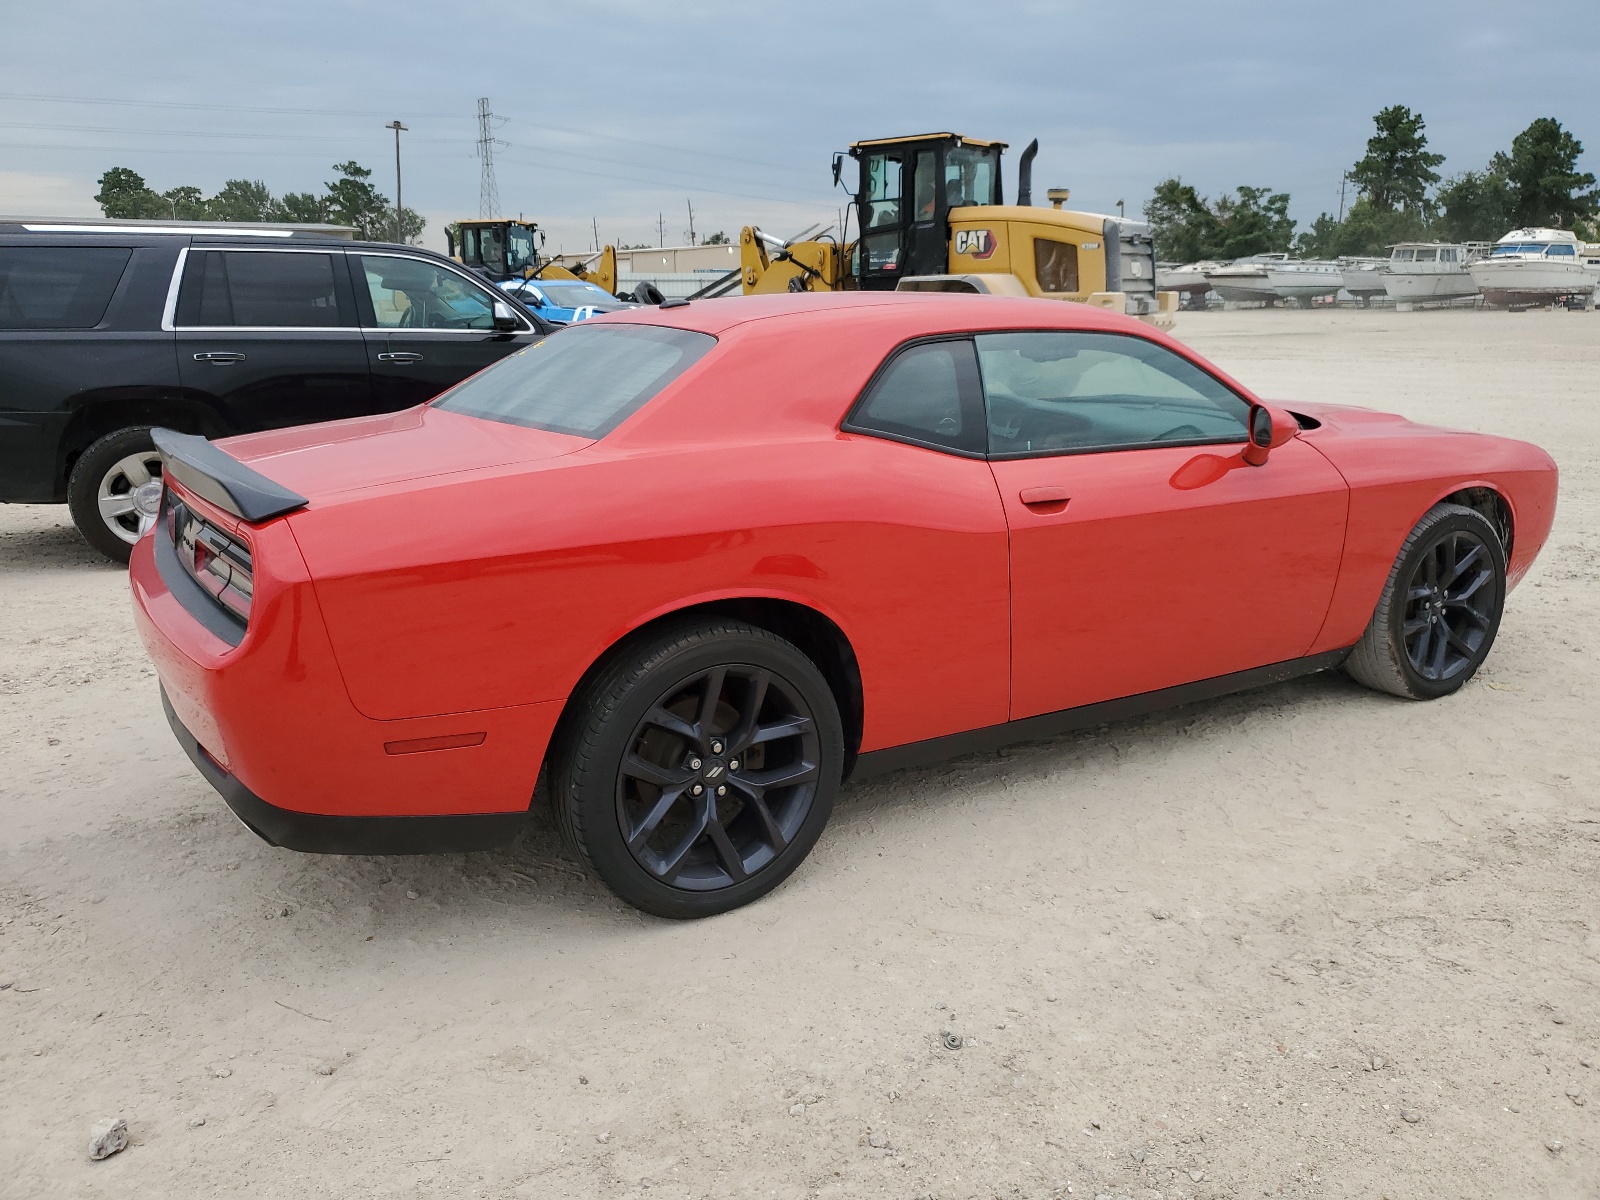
point(616, 111)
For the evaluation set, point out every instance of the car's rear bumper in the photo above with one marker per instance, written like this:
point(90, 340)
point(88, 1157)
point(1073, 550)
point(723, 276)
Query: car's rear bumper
point(317, 834)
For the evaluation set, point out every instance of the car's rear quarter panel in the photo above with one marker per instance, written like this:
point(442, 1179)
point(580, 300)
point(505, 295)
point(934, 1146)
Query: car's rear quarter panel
point(274, 712)
point(503, 589)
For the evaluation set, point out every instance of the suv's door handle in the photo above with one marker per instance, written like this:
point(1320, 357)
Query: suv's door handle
point(399, 356)
point(1045, 499)
point(221, 357)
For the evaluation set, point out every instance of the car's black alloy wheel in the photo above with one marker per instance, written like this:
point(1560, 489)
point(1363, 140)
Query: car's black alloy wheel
point(1440, 609)
point(697, 771)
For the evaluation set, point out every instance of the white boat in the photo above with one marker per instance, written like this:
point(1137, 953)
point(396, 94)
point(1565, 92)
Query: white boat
point(1268, 278)
point(1535, 266)
point(1362, 276)
point(1303, 280)
point(1420, 272)
point(1184, 277)
point(1245, 280)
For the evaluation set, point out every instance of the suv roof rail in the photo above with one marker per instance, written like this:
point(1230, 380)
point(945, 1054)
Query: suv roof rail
point(269, 229)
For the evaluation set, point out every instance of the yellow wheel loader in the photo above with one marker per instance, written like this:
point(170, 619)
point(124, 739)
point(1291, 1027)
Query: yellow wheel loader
point(505, 249)
point(931, 216)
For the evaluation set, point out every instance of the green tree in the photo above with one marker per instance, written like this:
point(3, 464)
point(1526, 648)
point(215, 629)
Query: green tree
point(1478, 206)
point(185, 203)
point(1543, 173)
point(1398, 168)
point(241, 200)
point(1255, 220)
point(716, 239)
point(411, 225)
point(353, 201)
point(299, 208)
point(124, 195)
point(1184, 226)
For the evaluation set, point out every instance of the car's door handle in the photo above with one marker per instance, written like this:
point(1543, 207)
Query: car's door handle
point(399, 356)
point(220, 357)
point(1045, 499)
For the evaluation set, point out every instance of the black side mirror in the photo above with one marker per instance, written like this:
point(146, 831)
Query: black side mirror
point(504, 319)
point(838, 165)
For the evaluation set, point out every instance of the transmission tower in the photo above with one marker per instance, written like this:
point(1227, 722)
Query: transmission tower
point(488, 192)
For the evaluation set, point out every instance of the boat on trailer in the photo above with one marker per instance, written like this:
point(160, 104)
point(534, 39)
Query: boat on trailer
point(1535, 267)
point(1431, 272)
point(1268, 278)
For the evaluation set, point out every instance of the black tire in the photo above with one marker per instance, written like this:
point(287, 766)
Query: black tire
point(630, 753)
point(100, 478)
point(645, 292)
point(1440, 608)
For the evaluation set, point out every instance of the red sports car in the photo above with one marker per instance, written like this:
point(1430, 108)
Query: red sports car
point(699, 563)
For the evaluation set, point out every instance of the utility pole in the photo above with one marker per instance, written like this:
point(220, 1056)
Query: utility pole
point(594, 224)
point(661, 230)
point(690, 203)
point(488, 192)
point(1343, 179)
point(399, 226)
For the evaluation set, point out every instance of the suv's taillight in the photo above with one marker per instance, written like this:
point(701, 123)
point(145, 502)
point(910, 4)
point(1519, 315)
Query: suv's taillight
point(218, 562)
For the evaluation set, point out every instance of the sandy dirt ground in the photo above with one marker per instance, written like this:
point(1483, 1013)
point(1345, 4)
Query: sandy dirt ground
point(1307, 942)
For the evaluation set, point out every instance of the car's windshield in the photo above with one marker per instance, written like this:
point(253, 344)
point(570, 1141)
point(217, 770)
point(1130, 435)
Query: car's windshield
point(580, 295)
point(585, 380)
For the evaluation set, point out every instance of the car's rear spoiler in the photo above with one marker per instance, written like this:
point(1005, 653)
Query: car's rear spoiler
point(222, 479)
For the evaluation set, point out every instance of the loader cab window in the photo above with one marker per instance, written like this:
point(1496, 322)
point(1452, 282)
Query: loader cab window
point(972, 175)
point(881, 202)
point(924, 188)
point(484, 246)
point(520, 253)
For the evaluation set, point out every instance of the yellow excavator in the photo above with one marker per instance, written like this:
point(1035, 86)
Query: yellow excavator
point(930, 216)
point(504, 249)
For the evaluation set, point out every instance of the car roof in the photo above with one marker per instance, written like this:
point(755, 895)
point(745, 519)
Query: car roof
point(928, 312)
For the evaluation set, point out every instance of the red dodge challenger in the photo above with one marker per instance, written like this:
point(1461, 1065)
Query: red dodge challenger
point(699, 563)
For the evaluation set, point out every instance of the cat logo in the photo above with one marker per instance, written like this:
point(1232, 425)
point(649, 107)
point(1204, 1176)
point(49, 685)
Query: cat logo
point(979, 243)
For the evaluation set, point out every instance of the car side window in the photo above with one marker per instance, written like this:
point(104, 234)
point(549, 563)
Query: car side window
point(409, 293)
point(263, 289)
point(926, 394)
point(58, 287)
point(1063, 393)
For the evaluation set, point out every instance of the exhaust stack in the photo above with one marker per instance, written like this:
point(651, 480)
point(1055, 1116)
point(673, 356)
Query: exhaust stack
point(1025, 174)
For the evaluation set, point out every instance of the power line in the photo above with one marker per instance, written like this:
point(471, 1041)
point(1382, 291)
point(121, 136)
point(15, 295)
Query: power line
point(354, 112)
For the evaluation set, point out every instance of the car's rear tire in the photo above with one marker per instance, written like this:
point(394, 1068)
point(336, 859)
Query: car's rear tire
point(114, 491)
point(1440, 608)
point(705, 704)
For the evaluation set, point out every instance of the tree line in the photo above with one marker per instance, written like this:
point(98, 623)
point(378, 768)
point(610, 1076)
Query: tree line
point(1399, 197)
point(351, 199)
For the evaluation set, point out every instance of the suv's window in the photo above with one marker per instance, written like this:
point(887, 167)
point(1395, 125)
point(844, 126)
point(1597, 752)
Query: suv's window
point(408, 293)
point(921, 397)
point(584, 380)
point(58, 287)
point(1054, 393)
point(260, 289)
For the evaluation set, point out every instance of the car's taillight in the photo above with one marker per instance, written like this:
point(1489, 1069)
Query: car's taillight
point(218, 562)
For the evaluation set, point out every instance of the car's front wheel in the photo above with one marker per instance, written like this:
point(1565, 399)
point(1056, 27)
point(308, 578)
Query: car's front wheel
point(1440, 608)
point(114, 491)
point(698, 770)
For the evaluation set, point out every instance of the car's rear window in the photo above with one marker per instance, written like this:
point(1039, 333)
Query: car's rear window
point(58, 287)
point(585, 380)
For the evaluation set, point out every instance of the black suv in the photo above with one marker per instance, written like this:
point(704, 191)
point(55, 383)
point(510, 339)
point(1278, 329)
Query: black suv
point(107, 330)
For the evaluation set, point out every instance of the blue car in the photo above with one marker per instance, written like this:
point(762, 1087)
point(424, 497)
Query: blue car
point(564, 301)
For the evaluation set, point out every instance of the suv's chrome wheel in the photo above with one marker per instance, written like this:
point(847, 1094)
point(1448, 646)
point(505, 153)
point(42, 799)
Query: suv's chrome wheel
point(129, 496)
